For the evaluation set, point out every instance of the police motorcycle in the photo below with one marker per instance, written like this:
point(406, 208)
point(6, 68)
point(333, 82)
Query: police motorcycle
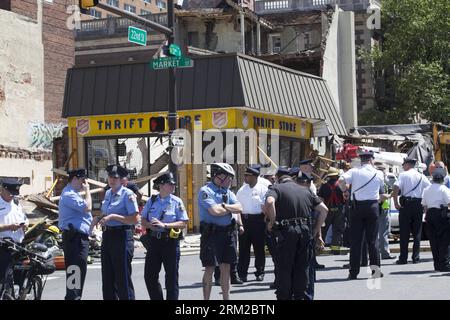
point(29, 273)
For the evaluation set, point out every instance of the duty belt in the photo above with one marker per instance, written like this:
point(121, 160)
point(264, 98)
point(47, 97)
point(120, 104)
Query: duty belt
point(159, 234)
point(294, 221)
point(116, 228)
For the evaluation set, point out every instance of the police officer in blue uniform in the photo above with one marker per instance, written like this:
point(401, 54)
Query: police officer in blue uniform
point(164, 216)
point(12, 224)
point(366, 183)
point(216, 203)
point(75, 220)
point(120, 212)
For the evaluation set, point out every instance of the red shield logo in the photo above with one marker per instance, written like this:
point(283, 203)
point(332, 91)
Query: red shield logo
point(219, 119)
point(83, 126)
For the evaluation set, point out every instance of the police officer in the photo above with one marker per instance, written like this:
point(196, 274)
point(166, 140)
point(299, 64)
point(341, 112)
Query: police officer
point(13, 221)
point(75, 220)
point(216, 204)
point(411, 184)
point(251, 196)
point(366, 184)
point(120, 211)
point(307, 168)
point(164, 216)
point(436, 203)
point(290, 205)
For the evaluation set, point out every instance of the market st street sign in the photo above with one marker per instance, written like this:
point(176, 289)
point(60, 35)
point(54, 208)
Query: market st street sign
point(172, 62)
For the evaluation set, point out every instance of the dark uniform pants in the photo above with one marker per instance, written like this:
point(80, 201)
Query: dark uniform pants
point(271, 241)
point(335, 218)
point(254, 229)
point(410, 221)
point(167, 253)
point(311, 271)
point(439, 233)
point(6, 269)
point(117, 254)
point(76, 250)
point(364, 220)
point(293, 257)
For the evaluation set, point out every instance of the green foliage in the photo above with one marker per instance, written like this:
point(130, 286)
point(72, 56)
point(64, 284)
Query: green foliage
point(413, 60)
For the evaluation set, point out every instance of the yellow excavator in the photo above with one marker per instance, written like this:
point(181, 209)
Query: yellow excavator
point(441, 139)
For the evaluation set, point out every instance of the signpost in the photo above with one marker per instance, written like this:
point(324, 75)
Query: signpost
point(172, 62)
point(138, 36)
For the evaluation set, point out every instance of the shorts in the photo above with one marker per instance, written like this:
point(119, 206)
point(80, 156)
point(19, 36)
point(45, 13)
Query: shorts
point(217, 248)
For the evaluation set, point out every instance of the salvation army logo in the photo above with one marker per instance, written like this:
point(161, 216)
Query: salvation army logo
point(83, 126)
point(219, 119)
point(245, 119)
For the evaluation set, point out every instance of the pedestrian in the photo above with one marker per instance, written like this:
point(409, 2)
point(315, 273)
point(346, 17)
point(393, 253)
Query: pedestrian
point(411, 185)
point(384, 220)
point(366, 184)
point(164, 216)
point(290, 206)
point(75, 220)
point(440, 164)
point(436, 203)
point(333, 198)
point(13, 223)
point(120, 212)
point(216, 204)
point(251, 196)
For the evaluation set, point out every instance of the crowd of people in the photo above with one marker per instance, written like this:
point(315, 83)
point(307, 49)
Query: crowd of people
point(283, 211)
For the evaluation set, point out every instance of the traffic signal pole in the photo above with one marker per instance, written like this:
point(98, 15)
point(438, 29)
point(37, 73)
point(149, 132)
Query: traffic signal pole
point(169, 32)
point(172, 103)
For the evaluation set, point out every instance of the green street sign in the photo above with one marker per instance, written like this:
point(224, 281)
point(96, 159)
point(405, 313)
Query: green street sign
point(175, 50)
point(138, 36)
point(172, 62)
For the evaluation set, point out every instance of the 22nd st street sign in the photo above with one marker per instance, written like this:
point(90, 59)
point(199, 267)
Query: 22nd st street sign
point(172, 62)
point(138, 36)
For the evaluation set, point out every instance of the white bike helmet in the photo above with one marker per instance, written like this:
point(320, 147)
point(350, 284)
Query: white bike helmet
point(219, 168)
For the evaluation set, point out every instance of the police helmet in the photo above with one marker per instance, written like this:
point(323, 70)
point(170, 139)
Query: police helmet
point(222, 168)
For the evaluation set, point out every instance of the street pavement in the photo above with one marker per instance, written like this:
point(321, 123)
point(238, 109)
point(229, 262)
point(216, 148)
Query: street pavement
point(411, 281)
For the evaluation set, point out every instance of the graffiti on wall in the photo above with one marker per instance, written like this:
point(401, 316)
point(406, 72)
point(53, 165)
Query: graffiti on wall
point(42, 134)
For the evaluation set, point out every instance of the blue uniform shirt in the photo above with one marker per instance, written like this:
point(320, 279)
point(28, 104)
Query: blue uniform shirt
point(172, 206)
point(211, 195)
point(71, 210)
point(123, 203)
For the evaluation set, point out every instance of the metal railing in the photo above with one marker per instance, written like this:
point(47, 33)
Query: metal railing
point(271, 6)
point(114, 25)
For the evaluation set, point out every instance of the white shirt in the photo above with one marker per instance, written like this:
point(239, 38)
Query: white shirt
point(264, 181)
point(358, 177)
point(408, 180)
point(252, 199)
point(11, 213)
point(436, 195)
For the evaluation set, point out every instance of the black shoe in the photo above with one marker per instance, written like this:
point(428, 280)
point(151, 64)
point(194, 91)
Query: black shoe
point(416, 261)
point(260, 277)
point(243, 279)
point(352, 277)
point(236, 280)
point(389, 257)
point(443, 269)
point(400, 262)
point(319, 266)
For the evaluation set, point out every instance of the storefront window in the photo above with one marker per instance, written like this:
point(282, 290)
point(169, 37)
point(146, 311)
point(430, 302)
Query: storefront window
point(295, 153)
point(285, 151)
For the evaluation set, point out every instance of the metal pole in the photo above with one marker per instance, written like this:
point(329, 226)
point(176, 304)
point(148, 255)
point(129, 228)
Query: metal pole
point(172, 103)
point(242, 31)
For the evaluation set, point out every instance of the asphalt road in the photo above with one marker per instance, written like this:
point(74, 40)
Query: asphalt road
point(412, 281)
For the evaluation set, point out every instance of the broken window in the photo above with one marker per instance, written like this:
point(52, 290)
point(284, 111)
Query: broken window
point(275, 43)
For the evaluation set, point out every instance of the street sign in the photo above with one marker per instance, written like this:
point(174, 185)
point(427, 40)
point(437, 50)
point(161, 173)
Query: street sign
point(172, 62)
point(138, 36)
point(175, 50)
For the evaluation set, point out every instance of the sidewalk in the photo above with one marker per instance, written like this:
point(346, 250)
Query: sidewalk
point(191, 246)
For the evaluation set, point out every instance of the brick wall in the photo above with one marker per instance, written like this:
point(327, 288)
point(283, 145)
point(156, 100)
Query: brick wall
point(59, 47)
point(26, 8)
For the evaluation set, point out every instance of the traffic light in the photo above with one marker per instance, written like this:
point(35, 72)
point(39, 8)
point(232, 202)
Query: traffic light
point(157, 124)
point(86, 4)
